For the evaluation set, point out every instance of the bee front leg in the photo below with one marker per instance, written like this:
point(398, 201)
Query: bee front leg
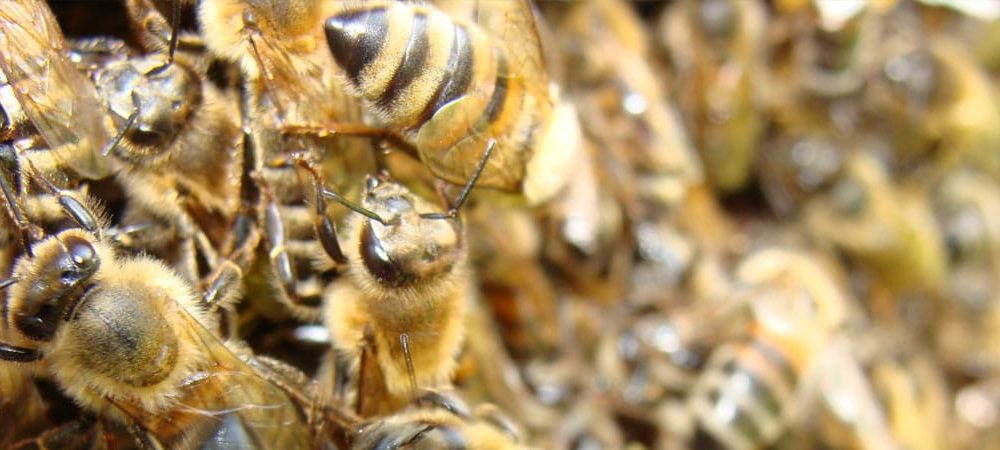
point(18, 354)
point(73, 434)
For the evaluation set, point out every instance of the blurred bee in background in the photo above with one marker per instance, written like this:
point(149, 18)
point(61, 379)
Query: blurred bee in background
point(942, 104)
point(473, 99)
point(824, 53)
point(746, 395)
point(126, 339)
point(967, 206)
point(399, 310)
point(717, 50)
point(889, 232)
point(623, 106)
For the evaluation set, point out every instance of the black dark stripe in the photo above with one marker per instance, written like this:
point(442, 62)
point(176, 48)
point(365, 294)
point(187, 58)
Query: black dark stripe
point(774, 356)
point(495, 107)
point(761, 391)
point(459, 74)
point(353, 45)
point(414, 59)
point(740, 422)
point(764, 394)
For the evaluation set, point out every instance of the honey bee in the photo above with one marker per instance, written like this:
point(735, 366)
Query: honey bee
point(966, 205)
point(944, 105)
point(400, 308)
point(623, 106)
point(440, 420)
point(717, 47)
point(45, 96)
point(746, 395)
point(126, 339)
point(883, 228)
point(177, 151)
point(460, 92)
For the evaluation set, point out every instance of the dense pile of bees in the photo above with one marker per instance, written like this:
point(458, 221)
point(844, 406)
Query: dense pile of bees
point(496, 224)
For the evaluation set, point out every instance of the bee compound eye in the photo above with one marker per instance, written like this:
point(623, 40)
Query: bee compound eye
point(82, 254)
point(377, 260)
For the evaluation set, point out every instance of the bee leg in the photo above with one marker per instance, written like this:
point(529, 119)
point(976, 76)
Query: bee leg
point(8, 157)
point(330, 130)
point(462, 196)
point(72, 207)
point(72, 434)
point(404, 343)
point(18, 354)
point(225, 279)
point(326, 233)
point(372, 391)
point(155, 32)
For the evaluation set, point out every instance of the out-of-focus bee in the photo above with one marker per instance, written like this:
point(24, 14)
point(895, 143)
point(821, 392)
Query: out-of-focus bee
point(43, 95)
point(400, 308)
point(746, 395)
point(943, 106)
point(623, 106)
point(126, 339)
point(967, 206)
point(474, 99)
point(888, 230)
point(440, 420)
point(882, 392)
point(824, 55)
point(717, 50)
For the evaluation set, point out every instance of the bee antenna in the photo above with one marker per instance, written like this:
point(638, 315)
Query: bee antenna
point(175, 23)
point(111, 146)
point(354, 206)
point(404, 341)
point(480, 166)
point(6, 283)
point(175, 19)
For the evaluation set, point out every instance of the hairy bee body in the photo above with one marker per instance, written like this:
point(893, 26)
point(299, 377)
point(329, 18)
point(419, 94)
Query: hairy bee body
point(407, 278)
point(452, 88)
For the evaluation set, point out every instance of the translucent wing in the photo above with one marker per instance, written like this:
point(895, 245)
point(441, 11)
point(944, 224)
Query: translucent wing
point(58, 100)
point(225, 403)
point(513, 22)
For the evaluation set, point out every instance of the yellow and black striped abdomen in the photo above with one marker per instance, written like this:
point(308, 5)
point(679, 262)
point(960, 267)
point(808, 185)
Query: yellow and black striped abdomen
point(740, 400)
point(446, 84)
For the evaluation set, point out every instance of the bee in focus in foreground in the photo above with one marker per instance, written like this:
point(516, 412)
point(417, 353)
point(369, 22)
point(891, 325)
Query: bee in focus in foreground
point(126, 339)
point(400, 308)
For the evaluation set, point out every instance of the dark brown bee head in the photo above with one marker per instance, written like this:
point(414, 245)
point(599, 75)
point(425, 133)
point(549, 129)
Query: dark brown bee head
point(408, 248)
point(164, 98)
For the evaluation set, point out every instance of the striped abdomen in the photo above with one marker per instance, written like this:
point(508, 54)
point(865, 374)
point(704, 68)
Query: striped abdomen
point(741, 398)
point(446, 84)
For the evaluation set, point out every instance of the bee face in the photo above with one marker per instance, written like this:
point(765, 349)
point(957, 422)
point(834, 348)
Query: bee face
point(63, 265)
point(163, 97)
point(409, 248)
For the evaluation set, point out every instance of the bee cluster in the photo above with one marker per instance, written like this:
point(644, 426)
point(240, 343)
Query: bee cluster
point(500, 224)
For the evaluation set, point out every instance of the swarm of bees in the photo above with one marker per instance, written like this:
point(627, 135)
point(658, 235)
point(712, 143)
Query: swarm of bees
point(499, 224)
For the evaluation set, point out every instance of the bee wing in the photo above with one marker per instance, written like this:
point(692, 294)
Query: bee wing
point(514, 21)
point(58, 99)
point(246, 409)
